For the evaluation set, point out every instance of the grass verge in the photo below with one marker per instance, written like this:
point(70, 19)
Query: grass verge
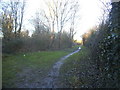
point(74, 69)
point(22, 67)
point(15, 64)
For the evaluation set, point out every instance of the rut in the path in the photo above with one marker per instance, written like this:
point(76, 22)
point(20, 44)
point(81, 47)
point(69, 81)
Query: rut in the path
point(51, 80)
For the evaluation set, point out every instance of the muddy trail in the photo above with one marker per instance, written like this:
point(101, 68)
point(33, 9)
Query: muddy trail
point(51, 81)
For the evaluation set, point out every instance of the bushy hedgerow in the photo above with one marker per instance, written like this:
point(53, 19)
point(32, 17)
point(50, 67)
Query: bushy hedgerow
point(105, 51)
point(11, 46)
point(38, 42)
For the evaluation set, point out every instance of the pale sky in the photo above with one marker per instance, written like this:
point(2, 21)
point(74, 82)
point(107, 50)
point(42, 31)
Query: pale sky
point(90, 11)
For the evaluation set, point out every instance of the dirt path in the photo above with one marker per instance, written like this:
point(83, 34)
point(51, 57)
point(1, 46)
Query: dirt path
point(51, 81)
point(31, 78)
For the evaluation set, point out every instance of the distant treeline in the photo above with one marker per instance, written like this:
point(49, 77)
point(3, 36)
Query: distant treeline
point(49, 29)
point(37, 42)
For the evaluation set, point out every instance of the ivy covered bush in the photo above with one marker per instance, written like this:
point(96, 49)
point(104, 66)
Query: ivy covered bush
point(105, 49)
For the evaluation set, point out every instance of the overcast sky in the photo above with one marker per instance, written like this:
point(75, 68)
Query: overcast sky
point(90, 11)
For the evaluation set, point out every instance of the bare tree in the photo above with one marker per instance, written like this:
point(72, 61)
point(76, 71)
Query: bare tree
point(73, 20)
point(6, 21)
point(17, 10)
point(60, 12)
point(105, 9)
point(39, 23)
